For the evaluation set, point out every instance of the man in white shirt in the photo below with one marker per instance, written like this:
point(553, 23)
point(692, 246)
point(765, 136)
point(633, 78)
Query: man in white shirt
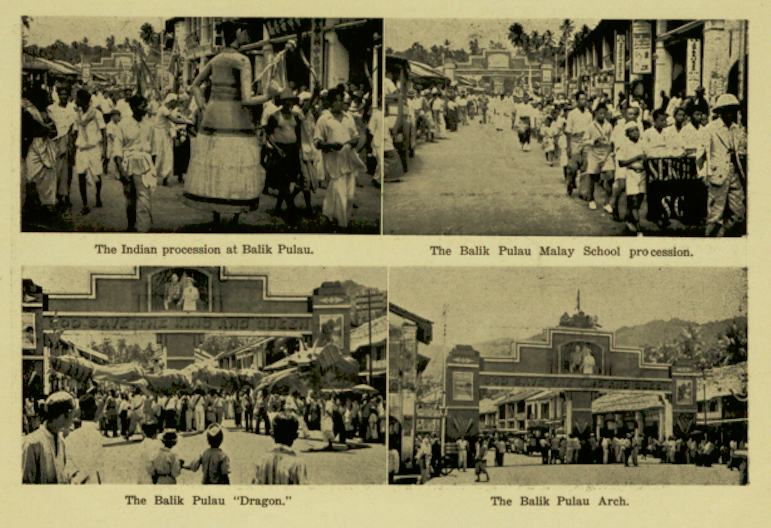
point(654, 140)
point(618, 138)
point(463, 109)
point(578, 122)
point(84, 446)
point(673, 134)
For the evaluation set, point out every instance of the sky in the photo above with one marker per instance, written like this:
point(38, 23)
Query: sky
point(400, 34)
point(490, 303)
point(47, 30)
point(282, 280)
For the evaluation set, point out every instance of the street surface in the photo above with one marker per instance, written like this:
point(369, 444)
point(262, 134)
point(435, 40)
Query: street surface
point(478, 181)
point(170, 214)
point(359, 464)
point(523, 470)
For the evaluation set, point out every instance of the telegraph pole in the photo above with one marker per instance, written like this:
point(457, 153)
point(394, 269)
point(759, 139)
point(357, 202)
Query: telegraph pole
point(369, 324)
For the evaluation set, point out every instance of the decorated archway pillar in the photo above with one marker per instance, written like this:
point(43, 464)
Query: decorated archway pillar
point(461, 387)
point(332, 316)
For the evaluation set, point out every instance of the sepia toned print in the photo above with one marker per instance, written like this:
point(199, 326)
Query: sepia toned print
point(566, 127)
point(198, 124)
point(221, 381)
point(611, 392)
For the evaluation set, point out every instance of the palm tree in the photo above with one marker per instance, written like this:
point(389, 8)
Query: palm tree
point(535, 40)
point(518, 37)
point(566, 27)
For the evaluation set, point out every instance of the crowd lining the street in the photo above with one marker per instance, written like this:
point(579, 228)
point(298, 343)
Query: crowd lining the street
point(697, 449)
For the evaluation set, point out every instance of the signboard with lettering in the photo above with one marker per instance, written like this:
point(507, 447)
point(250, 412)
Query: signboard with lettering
point(182, 323)
point(573, 382)
point(620, 56)
point(693, 67)
point(642, 47)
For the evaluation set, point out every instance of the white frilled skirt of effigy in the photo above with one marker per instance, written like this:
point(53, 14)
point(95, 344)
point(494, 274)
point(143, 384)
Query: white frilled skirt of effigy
point(225, 175)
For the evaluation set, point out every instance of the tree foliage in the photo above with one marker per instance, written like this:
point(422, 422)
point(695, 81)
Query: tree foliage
point(729, 349)
point(434, 56)
point(75, 51)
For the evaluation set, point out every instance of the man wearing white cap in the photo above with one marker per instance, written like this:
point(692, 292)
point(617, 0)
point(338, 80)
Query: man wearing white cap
point(631, 156)
point(724, 172)
point(618, 138)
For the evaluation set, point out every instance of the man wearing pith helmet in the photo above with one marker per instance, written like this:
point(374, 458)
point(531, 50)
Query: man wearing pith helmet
point(724, 175)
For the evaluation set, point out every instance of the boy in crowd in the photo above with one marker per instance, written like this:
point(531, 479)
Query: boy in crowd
point(631, 156)
point(600, 162)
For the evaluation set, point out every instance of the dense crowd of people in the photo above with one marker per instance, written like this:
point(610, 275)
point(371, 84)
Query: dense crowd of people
point(560, 448)
point(64, 434)
point(205, 135)
point(607, 152)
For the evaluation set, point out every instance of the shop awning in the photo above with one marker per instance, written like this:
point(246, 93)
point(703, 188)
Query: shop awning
point(424, 71)
point(626, 401)
point(88, 353)
point(56, 67)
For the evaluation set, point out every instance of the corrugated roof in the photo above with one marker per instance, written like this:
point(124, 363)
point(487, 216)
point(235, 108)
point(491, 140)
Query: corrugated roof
point(360, 335)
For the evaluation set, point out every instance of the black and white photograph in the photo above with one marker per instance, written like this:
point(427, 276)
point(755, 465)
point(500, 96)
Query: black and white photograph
point(204, 375)
point(201, 125)
point(568, 377)
point(573, 127)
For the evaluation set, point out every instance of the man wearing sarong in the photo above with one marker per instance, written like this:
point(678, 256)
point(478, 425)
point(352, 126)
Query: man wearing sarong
point(38, 149)
point(335, 137)
point(89, 148)
point(64, 119)
point(135, 166)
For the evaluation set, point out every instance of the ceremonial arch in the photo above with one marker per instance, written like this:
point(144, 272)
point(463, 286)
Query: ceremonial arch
point(581, 362)
point(181, 305)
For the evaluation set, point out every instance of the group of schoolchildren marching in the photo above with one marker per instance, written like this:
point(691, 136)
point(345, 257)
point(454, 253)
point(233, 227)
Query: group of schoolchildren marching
point(602, 147)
